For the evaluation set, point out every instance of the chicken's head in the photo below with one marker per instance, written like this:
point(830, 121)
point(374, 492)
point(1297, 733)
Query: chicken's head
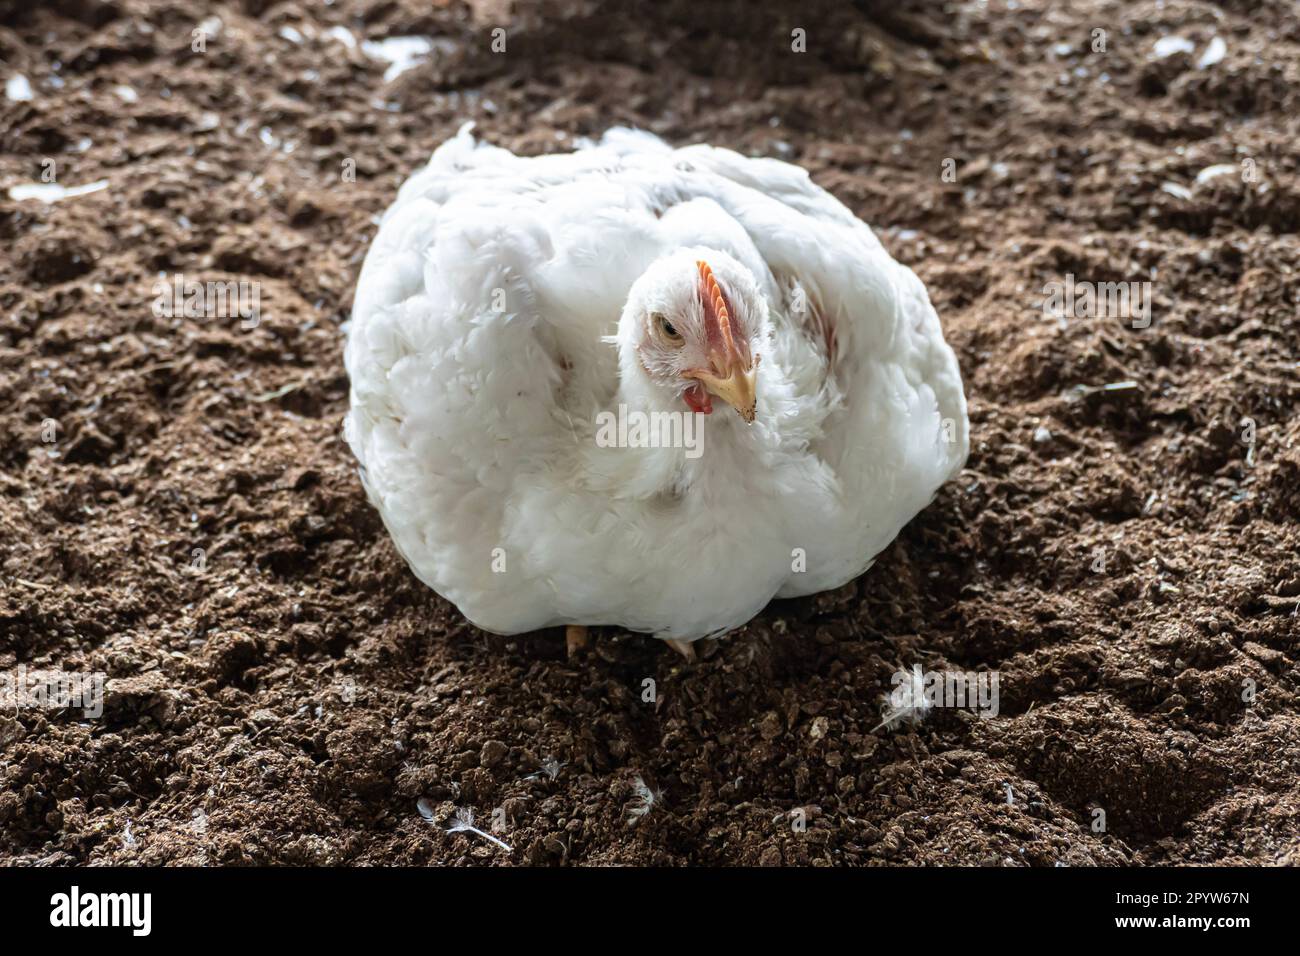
point(694, 321)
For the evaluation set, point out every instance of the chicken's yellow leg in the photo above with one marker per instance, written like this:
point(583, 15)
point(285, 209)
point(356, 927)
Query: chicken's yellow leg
point(575, 638)
point(684, 648)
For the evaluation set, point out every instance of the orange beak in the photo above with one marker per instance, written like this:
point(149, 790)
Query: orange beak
point(731, 374)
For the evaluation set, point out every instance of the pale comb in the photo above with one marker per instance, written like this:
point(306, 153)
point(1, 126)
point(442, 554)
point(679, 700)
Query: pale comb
point(713, 298)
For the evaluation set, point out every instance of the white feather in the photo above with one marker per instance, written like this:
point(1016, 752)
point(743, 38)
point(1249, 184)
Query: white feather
point(480, 353)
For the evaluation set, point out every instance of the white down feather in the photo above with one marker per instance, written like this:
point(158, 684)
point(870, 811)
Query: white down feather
point(478, 360)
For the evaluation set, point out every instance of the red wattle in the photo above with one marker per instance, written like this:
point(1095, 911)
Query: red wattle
point(699, 400)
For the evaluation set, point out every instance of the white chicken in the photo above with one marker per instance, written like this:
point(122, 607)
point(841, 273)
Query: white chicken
point(511, 308)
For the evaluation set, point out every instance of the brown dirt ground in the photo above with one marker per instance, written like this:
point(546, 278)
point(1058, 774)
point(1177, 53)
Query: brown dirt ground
point(291, 701)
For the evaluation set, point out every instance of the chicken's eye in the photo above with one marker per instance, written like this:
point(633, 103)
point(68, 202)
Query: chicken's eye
point(667, 331)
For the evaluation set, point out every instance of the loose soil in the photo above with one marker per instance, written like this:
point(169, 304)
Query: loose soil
point(282, 690)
